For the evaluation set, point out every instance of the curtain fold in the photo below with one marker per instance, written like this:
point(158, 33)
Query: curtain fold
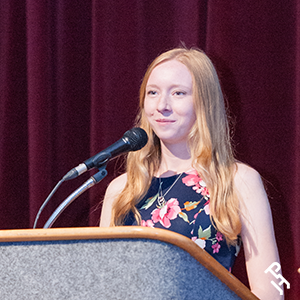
point(69, 83)
point(58, 68)
point(13, 116)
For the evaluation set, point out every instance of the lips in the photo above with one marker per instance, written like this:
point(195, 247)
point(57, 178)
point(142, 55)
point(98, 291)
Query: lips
point(164, 121)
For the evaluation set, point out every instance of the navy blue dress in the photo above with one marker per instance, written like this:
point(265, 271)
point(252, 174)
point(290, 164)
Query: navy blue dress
point(185, 210)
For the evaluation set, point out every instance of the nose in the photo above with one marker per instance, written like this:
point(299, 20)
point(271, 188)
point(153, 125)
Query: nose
point(163, 104)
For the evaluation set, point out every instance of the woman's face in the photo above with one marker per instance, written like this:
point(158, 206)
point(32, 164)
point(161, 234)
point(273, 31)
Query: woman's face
point(169, 102)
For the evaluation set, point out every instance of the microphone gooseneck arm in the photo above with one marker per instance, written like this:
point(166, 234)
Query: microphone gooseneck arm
point(46, 201)
point(88, 184)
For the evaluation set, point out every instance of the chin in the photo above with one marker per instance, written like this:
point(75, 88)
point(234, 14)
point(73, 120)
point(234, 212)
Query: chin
point(173, 140)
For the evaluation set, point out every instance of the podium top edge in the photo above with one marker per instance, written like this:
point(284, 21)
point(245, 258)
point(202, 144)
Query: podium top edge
point(130, 232)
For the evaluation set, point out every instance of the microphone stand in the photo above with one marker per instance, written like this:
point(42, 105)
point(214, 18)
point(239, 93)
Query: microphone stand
point(88, 184)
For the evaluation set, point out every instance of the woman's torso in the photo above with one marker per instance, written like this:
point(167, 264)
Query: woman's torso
point(184, 209)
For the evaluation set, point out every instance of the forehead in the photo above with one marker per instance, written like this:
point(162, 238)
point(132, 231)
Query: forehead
point(172, 71)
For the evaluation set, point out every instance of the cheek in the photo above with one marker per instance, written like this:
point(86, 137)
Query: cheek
point(148, 108)
point(186, 110)
point(188, 116)
point(191, 119)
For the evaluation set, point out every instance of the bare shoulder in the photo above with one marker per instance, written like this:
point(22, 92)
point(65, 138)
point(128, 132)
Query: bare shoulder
point(254, 203)
point(246, 175)
point(117, 185)
point(251, 191)
point(248, 182)
point(113, 190)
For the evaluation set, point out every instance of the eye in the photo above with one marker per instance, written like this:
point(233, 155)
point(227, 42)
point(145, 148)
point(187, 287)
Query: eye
point(179, 93)
point(151, 93)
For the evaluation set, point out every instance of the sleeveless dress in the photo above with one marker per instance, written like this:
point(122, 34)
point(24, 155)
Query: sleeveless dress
point(185, 211)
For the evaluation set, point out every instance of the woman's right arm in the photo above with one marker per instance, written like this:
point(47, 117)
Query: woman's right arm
point(112, 192)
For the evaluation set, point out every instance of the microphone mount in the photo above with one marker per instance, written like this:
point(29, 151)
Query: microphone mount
point(88, 184)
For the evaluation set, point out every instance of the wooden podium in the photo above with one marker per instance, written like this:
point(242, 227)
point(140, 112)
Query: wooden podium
point(110, 263)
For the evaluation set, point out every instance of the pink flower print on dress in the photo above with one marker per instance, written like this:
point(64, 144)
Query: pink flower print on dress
point(206, 207)
point(147, 223)
point(194, 180)
point(168, 212)
point(204, 190)
point(200, 188)
point(197, 188)
point(191, 179)
point(219, 236)
point(216, 247)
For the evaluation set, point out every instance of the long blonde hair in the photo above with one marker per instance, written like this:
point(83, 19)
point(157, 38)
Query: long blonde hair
point(209, 142)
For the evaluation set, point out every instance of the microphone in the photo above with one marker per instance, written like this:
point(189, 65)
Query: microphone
point(132, 140)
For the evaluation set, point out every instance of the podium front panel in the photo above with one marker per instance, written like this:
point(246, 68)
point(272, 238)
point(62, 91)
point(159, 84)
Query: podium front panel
point(105, 269)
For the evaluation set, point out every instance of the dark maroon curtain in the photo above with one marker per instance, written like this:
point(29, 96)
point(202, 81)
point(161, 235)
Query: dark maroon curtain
point(69, 78)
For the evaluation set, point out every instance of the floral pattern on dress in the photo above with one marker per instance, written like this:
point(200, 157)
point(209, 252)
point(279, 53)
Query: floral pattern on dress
point(198, 185)
point(166, 213)
point(186, 210)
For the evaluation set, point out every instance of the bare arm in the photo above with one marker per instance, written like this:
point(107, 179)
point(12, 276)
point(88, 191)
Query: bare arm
point(113, 190)
point(257, 232)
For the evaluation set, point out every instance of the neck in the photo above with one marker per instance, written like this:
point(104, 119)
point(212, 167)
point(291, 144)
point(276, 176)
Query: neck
point(175, 159)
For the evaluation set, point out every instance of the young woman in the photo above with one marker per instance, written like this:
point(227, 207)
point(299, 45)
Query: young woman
point(186, 178)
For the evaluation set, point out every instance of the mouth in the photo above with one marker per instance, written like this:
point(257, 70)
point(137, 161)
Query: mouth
point(164, 121)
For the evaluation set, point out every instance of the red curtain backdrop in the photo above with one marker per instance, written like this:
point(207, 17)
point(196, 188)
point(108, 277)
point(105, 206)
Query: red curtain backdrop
point(69, 78)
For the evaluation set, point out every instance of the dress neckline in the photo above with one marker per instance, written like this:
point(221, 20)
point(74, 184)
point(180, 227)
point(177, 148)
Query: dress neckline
point(175, 175)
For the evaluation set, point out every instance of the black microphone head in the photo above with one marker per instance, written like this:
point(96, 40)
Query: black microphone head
point(136, 137)
point(132, 140)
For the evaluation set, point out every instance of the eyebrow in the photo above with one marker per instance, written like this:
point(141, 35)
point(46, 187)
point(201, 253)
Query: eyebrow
point(172, 86)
